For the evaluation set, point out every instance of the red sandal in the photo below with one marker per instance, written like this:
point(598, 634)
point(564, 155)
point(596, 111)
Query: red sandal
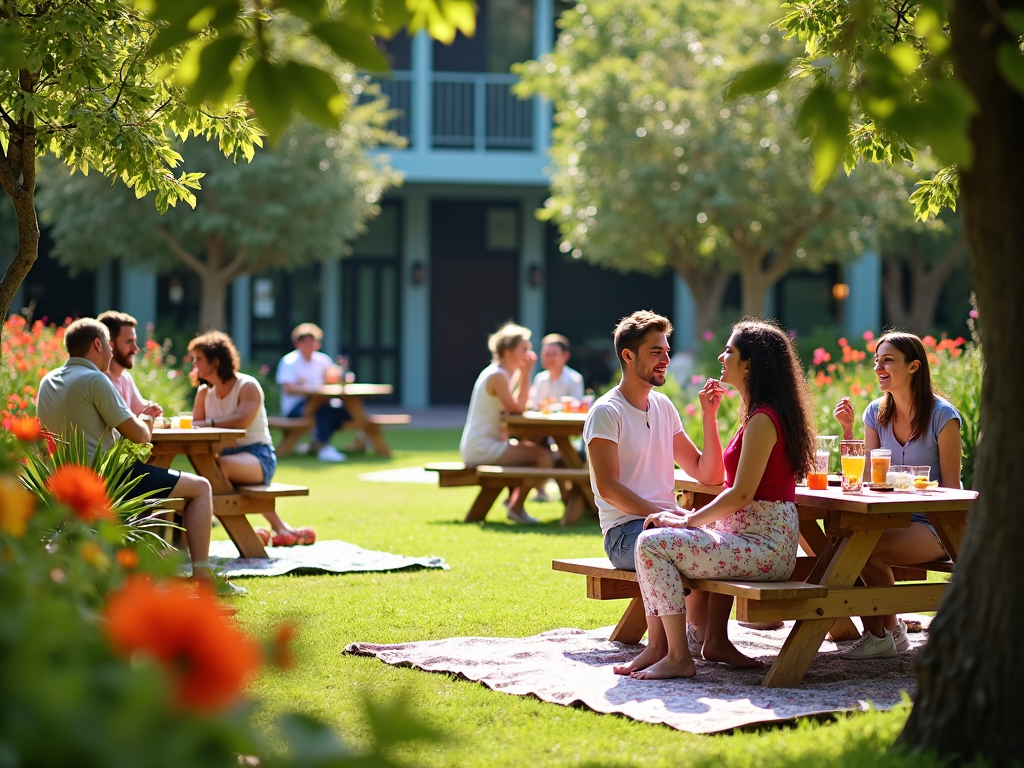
point(285, 539)
point(305, 536)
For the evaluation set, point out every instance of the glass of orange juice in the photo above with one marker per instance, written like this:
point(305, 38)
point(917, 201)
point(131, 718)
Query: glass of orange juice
point(851, 454)
point(817, 479)
point(185, 420)
point(880, 460)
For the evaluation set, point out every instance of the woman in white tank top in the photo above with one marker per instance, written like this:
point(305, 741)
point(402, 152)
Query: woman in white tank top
point(504, 385)
point(233, 400)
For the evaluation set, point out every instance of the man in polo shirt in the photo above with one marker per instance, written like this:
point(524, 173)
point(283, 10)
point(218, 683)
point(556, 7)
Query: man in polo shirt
point(79, 396)
point(635, 438)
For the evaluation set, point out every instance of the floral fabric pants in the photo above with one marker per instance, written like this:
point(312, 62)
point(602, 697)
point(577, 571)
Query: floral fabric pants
point(757, 543)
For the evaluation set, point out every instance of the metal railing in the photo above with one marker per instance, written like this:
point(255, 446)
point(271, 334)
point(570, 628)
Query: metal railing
point(469, 110)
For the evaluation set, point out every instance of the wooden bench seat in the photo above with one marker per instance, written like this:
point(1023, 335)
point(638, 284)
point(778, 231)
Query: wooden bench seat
point(606, 582)
point(452, 474)
point(273, 490)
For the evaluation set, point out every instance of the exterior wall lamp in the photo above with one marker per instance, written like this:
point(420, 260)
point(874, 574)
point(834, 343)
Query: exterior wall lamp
point(535, 276)
point(418, 273)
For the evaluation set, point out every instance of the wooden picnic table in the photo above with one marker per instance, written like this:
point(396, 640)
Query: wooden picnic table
point(201, 446)
point(351, 396)
point(852, 526)
point(538, 427)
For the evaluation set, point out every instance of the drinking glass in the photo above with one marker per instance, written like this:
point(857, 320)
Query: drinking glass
point(922, 476)
point(852, 456)
point(817, 479)
point(880, 459)
point(899, 477)
point(175, 422)
point(185, 420)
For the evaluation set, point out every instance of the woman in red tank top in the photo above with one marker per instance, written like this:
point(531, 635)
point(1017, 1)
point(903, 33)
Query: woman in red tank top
point(749, 532)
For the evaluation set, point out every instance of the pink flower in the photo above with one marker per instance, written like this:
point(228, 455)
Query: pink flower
point(843, 342)
point(868, 335)
point(791, 334)
point(708, 335)
point(695, 379)
point(973, 313)
point(821, 356)
point(691, 409)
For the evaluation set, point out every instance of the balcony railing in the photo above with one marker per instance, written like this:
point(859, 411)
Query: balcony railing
point(472, 111)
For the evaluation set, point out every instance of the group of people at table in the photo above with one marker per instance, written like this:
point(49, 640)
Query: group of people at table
point(750, 531)
point(94, 394)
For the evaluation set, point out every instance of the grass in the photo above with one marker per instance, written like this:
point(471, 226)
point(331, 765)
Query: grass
point(500, 584)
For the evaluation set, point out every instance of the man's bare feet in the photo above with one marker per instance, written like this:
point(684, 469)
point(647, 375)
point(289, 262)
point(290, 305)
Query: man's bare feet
point(647, 657)
point(725, 652)
point(667, 669)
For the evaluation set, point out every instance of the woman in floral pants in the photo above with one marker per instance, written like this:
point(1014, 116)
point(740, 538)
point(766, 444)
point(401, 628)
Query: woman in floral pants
point(750, 531)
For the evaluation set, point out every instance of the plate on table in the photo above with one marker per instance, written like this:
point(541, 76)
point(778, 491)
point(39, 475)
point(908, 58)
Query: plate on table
point(882, 487)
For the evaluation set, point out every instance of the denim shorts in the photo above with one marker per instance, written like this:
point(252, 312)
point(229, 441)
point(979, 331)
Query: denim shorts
point(620, 543)
point(263, 452)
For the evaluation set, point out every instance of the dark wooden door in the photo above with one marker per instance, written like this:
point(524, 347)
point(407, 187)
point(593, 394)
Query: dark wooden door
point(474, 289)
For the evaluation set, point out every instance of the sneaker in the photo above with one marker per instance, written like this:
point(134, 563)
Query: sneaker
point(899, 637)
point(228, 589)
point(693, 642)
point(330, 453)
point(541, 495)
point(871, 647)
point(522, 517)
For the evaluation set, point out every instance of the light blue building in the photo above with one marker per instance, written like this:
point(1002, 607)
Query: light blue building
point(457, 249)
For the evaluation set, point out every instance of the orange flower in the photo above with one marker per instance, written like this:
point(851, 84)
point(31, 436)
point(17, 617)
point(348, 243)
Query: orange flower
point(81, 489)
point(25, 428)
point(206, 656)
point(280, 651)
point(928, 341)
point(16, 505)
point(94, 555)
point(127, 558)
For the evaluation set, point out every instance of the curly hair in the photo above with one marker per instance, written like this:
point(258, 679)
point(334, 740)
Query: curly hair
point(777, 381)
point(218, 348)
point(507, 338)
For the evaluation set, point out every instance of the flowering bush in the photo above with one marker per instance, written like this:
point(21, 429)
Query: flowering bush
point(30, 351)
point(107, 659)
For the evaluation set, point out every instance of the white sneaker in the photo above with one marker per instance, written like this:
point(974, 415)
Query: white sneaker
point(330, 453)
point(522, 518)
point(871, 647)
point(899, 637)
point(541, 495)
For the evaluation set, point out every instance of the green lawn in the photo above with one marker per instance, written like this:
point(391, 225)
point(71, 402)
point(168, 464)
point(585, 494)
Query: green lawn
point(500, 584)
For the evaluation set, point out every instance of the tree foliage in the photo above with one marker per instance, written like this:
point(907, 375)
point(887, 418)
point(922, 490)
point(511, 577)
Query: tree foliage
point(298, 202)
point(654, 169)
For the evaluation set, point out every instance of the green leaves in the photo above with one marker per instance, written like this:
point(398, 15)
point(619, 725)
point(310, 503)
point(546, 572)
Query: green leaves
point(11, 51)
point(351, 44)
point(270, 96)
point(760, 77)
point(1011, 65)
point(824, 118)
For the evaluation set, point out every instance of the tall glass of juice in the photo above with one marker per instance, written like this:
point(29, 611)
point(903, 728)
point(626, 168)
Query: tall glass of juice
point(880, 459)
point(852, 456)
point(817, 479)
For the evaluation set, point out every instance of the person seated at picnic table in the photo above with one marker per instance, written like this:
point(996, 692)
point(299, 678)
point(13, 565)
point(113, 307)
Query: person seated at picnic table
point(124, 345)
point(750, 531)
point(920, 428)
point(504, 386)
point(556, 381)
point(304, 367)
point(635, 438)
point(79, 396)
point(230, 399)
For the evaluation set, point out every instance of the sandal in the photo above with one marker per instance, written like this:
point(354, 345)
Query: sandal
point(305, 536)
point(285, 539)
point(264, 536)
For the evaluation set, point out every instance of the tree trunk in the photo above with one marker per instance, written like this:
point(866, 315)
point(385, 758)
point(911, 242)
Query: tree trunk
point(708, 288)
point(28, 251)
point(925, 288)
point(970, 675)
point(212, 315)
point(753, 286)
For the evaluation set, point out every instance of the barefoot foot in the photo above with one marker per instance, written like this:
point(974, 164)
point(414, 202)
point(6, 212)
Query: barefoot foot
point(667, 669)
point(647, 657)
point(725, 652)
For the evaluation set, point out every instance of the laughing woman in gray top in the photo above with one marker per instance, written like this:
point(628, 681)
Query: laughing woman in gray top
point(919, 427)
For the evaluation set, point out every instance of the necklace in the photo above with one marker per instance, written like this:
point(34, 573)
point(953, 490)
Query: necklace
point(647, 414)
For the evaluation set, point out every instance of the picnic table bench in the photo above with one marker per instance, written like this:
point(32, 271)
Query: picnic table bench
point(231, 503)
point(352, 396)
point(825, 590)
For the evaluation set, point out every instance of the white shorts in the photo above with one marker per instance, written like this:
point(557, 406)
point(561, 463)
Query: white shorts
point(484, 452)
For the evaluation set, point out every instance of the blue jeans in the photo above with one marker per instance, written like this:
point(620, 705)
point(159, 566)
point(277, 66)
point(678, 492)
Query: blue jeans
point(620, 542)
point(328, 420)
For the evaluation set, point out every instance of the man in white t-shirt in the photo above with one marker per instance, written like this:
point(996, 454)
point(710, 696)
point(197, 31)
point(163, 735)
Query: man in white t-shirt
point(557, 380)
point(307, 366)
point(124, 343)
point(635, 438)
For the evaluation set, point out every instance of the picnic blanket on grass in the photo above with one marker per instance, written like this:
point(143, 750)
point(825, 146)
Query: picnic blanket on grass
point(573, 667)
point(322, 557)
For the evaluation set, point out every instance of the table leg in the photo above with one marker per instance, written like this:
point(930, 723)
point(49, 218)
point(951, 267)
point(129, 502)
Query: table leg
point(237, 526)
point(632, 625)
point(354, 405)
point(847, 559)
point(243, 536)
point(814, 542)
point(571, 459)
point(952, 536)
point(483, 503)
point(574, 504)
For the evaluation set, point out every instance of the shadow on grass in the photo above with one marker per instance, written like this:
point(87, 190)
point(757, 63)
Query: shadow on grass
point(548, 528)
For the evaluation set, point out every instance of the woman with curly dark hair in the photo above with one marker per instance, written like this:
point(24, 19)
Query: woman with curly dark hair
point(230, 399)
point(750, 531)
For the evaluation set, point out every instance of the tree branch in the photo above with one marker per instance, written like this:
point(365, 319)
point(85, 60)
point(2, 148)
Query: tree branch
point(179, 250)
point(234, 267)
